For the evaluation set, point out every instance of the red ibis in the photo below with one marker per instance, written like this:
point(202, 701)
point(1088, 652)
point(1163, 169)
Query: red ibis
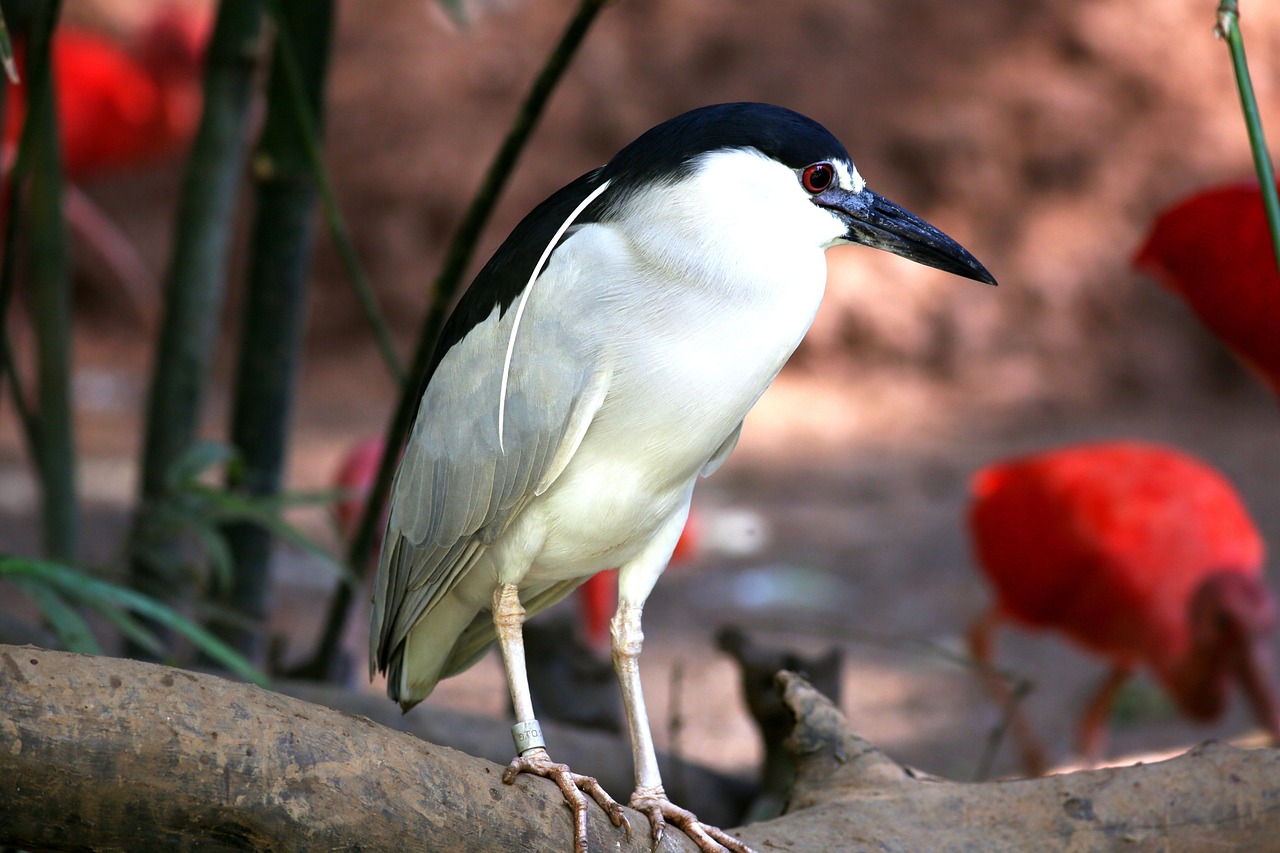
point(122, 105)
point(1139, 554)
point(1213, 249)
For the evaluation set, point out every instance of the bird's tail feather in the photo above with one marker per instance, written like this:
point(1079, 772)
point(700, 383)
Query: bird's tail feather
point(426, 657)
point(417, 665)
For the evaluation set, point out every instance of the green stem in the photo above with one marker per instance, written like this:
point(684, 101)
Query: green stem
point(8, 277)
point(49, 265)
point(6, 52)
point(309, 142)
point(1229, 29)
point(458, 257)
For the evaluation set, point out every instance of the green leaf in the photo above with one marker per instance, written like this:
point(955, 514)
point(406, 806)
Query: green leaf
point(196, 460)
point(294, 500)
point(130, 628)
point(73, 632)
point(207, 643)
point(214, 542)
point(455, 9)
point(51, 581)
point(272, 504)
point(225, 506)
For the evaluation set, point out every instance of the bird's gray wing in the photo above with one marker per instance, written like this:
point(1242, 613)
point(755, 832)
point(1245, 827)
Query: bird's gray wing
point(458, 487)
point(462, 479)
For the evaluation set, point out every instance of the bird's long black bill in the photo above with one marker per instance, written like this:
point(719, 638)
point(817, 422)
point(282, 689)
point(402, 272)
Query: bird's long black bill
point(875, 221)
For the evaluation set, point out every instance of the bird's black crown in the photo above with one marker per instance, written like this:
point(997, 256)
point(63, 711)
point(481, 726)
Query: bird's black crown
point(667, 151)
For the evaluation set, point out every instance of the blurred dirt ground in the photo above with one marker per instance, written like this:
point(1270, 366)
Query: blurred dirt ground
point(867, 552)
point(1043, 136)
point(861, 486)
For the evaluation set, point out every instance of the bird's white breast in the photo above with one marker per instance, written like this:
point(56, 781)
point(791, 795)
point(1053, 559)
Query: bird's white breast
point(695, 301)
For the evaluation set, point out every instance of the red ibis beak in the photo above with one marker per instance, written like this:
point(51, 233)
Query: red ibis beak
point(1255, 668)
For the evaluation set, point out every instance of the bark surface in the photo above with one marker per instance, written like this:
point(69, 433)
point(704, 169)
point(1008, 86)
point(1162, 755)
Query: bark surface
point(109, 754)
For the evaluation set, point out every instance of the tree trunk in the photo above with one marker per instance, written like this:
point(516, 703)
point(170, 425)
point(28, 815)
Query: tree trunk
point(107, 754)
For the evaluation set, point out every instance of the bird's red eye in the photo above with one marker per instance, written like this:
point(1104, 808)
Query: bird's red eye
point(817, 177)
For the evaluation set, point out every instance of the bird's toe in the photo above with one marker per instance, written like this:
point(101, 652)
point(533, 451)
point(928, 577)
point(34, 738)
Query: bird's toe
point(661, 811)
point(572, 785)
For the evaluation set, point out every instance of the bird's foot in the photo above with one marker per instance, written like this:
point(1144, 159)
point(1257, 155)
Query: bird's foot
point(662, 811)
point(572, 785)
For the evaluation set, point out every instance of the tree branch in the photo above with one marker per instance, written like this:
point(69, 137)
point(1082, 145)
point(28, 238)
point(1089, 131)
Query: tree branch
point(850, 793)
point(101, 753)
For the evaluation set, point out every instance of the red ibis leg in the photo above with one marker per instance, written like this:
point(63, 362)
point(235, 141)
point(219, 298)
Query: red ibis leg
point(1093, 722)
point(649, 797)
point(508, 619)
point(981, 648)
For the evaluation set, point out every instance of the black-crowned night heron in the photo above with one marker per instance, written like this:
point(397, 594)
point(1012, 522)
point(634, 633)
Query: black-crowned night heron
point(601, 361)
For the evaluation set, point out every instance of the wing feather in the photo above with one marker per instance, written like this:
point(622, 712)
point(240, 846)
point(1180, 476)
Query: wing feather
point(460, 484)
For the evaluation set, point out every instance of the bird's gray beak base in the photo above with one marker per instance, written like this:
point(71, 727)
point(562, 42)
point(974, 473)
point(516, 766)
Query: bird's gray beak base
point(874, 221)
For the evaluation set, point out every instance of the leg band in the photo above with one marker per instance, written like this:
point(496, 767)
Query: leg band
point(527, 735)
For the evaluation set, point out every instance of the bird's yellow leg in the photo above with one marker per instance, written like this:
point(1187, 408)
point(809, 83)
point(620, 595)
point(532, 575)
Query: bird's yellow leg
point(649, 797)
point(508, 619)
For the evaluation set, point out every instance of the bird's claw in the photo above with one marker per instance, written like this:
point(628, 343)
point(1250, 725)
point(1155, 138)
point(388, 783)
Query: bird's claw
point(661, 811)
point(572, 785)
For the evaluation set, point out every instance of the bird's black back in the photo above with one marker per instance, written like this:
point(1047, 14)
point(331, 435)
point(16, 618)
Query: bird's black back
point(507, 273)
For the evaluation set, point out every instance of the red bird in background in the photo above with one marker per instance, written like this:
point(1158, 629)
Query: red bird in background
point(1214, 250)
point(1138, 553)
point(119, 107)
point(355, 475)
point(122, 106)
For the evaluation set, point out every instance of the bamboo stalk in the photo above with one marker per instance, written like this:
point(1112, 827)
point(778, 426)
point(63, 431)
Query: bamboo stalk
point(194, 286)
point(309, 141)
point(275, 299)
point(48, 269)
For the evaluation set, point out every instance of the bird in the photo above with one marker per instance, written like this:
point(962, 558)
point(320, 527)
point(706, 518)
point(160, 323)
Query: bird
point(1213, 249)
point(1138, 553)
point(571, 671)
point(600, 362)
point(120, 106)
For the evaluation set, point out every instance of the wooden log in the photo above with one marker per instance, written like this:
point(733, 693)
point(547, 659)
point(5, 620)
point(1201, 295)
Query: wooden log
point(107, 754)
